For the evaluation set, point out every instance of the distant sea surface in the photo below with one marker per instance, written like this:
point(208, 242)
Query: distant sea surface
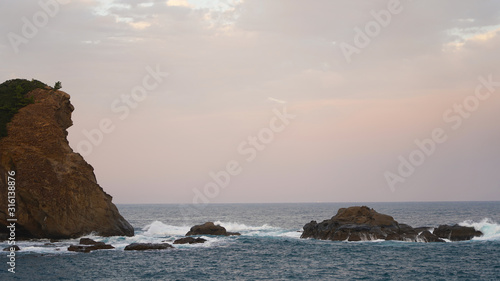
point(270, 248)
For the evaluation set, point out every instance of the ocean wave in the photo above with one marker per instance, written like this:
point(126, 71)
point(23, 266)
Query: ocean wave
point(263, 230)
point(157, 228)
point(158, 232)
point(489, 228)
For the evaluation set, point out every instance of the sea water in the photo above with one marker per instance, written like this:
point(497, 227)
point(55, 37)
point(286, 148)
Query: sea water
point(270, 247)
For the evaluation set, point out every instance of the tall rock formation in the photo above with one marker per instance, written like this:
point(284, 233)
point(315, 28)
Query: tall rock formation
point(57, 195)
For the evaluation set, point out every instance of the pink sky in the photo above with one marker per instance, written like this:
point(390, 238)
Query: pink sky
point(231, 63)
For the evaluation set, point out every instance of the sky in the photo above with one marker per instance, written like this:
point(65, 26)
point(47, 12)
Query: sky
point(243, 101)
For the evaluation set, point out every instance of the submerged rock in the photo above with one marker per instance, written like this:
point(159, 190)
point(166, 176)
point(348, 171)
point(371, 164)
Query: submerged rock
point(190, 240)
point(57, 195)
point(147, 246)
point(209, 228)
point(362, 223)
point(12, 248)
point(456, 232)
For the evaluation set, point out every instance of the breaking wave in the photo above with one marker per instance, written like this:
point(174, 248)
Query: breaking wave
point(159, 232)
point(489, 228)
point(263, 230)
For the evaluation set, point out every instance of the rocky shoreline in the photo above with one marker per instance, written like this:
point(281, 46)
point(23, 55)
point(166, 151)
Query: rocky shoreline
point(358, 223)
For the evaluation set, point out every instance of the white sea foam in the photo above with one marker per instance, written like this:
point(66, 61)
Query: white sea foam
point(158, 228)
point(489, 228)
point(263, 230)
point(158, 232)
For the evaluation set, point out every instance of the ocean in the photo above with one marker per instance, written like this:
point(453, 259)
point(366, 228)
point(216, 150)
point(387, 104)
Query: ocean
point(270, 247)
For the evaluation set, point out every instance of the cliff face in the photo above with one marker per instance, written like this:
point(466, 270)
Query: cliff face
point(57, 195)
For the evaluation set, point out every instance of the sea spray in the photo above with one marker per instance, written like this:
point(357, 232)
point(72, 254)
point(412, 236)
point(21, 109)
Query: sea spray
point(489, 228)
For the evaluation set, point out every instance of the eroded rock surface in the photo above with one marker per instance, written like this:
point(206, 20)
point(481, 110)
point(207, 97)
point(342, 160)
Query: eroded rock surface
point(362, 223)
point(57, 195)
point(456, 232)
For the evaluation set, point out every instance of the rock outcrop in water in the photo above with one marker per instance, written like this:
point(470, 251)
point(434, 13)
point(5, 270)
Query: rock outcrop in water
point(209, 228)
point(456, 232)
point(88, 245)
point(57, 195)
point(147, 246)
point(190, 240)
point(363, 223)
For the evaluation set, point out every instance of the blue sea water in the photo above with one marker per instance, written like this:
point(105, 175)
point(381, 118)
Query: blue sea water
point(270, 248)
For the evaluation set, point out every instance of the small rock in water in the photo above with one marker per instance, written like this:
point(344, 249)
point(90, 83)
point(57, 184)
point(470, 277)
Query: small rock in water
point(87, 249)
point(209, 228)
point(147, 246)
point(190, 240)
point(87, 241)
point(14, 248)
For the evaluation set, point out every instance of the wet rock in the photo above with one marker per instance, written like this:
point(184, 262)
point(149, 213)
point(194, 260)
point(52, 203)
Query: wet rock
point(12, 248)
point(147, 246)
point(87, 249)
point(209, 228)
point(190, 240)
point(356, 224)
point(87, 241)
point(427, 236)
point(456, 232)
point(362, 223)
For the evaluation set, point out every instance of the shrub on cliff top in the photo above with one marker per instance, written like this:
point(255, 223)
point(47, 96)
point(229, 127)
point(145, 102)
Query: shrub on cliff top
point(13, 97)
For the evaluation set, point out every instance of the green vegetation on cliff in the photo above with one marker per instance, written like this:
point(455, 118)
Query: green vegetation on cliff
point(12, 98)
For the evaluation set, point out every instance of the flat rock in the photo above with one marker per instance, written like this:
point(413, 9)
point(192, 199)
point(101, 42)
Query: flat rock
point(88, 249)
point(209, 228)
point(147, 246)
point(189, 240)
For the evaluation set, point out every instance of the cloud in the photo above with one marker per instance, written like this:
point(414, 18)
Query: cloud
point(179, 3)
point(140, 25)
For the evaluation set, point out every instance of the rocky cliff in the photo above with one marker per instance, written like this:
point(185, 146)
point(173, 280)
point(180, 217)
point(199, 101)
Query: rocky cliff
point(57, 195)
